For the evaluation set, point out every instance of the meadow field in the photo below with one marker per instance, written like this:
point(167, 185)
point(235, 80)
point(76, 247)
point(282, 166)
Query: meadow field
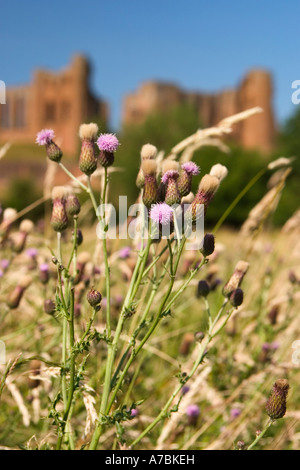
point(140, 343)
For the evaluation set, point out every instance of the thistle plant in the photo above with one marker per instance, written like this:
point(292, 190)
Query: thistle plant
point(110, 302)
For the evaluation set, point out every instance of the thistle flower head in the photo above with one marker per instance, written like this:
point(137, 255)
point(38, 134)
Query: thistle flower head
point(161, 213)
point(208, 245)
point(236, 278)
point(209, 184)
point(58, 192)
point(193, 410)
point(108, 142)
point(72, 205)
point(26, 226)
point(220, 171)
point(170, 174)
point(49, 307)
point(203, 289)
point(4, 263)
point(59, 217)
point(88, 131)
point(276, 404)
point(169, 165)
point(149, 167)
point(236, 297)
point(94, 297)
point(31, 252)
point(45, 136)
point(150, 194)
point(148, 152)
point(125, 252)
point(191, 168)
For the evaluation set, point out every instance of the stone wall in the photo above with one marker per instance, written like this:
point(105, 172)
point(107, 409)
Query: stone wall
point(254, 90)
point(61, 101)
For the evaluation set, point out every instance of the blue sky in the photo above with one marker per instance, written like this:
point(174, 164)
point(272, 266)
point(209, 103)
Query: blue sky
point(200, 45)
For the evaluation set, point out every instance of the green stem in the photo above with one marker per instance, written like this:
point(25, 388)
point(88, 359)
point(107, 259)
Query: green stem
point(69, 399)
point(269, 423)
point(112, 347)
point(77, 181)
point(164, 412)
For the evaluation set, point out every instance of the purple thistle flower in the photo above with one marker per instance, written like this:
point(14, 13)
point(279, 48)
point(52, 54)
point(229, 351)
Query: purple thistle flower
point(193, 411)
point(125, 252)
point(108, 142)
point(191, 168)
point(235, 413)
point(185, 389)
point(44, 267)
point(161, 213)
point(45, 136)
point(31, 252)
point(169, 174)
point(134, 412)
point(4, 263)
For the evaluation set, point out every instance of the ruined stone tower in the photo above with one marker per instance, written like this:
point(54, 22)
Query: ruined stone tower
point(257, 132)
point(61, 101)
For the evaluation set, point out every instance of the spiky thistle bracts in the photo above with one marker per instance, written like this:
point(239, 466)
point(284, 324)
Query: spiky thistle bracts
point(150, 193)
point(276, 404)
point(45, 137)
point(107, 144)
point(172, 195)
point(207, 189)
point(236, 278)
point(88, 158)
point(148, 152)
point(188, 170)
point(59, 217)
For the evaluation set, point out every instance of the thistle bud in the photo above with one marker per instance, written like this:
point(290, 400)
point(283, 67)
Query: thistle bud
point(59, 218)
point(150, 194)
point(185, 179)
point(44, 273)
point(88, 159)
point(16, 295)
point(236, 279)
point(208, 246)
point(94, 298)
point(207, 189)
point(202, 289)
point(276, 404)
point(169, 179)
point(49, 307)
point(108, 144)
point(220, 171)
point(26, 226)
point(236, 297)
point(148, 152)
point(45, 137)
point(199, 336)
point(79, 237)
point(72, 205)
point(192, 412)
